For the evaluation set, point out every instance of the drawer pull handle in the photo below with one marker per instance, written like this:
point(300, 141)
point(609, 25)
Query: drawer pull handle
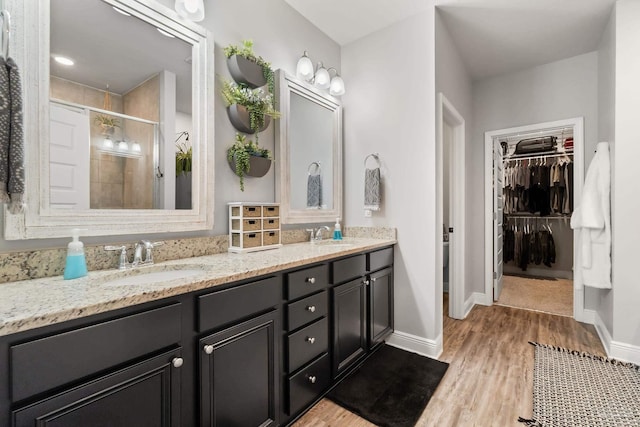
point(311, 308)
point(311, 280)
point(177, 362)
point(312, 379)
point(311, 340)
point(208, 349)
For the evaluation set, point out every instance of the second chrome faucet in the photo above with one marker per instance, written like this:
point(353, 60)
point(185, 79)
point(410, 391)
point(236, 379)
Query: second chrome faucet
point(316, 233)
point(143, 246)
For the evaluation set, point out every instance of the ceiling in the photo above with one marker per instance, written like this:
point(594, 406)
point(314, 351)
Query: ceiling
point(110, 48)
point(493, 36)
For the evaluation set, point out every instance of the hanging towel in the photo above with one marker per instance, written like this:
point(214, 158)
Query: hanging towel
point(372, 189)
point(11, 137)
point(593, 221)
point(314, 191)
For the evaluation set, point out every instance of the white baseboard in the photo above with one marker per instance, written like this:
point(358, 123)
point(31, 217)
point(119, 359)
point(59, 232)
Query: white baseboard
point(475, 298)
point(416, 344)
point(592, 317)
point(615, 349)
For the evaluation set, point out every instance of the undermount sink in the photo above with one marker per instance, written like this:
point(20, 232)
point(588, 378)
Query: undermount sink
point(334, 243)
point(152, 275)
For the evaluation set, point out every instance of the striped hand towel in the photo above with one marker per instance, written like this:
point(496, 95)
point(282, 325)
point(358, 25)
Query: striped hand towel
point(372, 189)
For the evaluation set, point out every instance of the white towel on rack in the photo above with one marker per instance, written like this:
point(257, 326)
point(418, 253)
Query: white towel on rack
point(593, 221)
point(372, 189)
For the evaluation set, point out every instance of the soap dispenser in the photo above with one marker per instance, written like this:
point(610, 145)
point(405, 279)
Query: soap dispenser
point(337, 231)
point(76, 265)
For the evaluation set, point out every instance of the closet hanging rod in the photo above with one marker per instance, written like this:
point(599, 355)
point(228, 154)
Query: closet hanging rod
point(537, 156)
point(536, 217)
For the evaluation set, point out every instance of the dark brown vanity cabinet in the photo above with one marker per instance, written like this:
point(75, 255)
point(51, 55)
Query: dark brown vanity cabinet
point(123, 371)
point(362, 307)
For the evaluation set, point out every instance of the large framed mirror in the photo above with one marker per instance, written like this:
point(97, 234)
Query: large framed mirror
point(120, 142)
point(308, 152)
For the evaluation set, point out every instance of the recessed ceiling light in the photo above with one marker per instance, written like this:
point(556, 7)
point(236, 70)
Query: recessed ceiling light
point(164, 33)
point(121, 11)
point(63, 60)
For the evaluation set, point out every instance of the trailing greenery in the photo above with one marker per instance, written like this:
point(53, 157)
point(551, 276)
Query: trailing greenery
point(240, 153)
point(246, 51)
point(255, 101)
point(184, 157)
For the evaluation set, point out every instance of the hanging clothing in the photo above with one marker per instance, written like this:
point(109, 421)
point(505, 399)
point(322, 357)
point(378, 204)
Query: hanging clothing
point(593, 220)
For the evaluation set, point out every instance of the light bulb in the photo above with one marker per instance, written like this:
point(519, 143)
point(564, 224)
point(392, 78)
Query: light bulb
point(123, 146)
point(135, 147)
point(191, 6)
point(304, 69)
point(322, 79)
point(337, 86)
point(107, 143)
point(190, 9)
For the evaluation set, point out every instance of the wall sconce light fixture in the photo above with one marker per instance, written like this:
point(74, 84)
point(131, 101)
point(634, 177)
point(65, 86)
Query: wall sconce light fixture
point(190, 9)
point(321, 78)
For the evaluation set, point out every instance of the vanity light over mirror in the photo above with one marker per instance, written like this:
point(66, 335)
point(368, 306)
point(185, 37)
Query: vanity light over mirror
point(108, 127)
point(308, 152)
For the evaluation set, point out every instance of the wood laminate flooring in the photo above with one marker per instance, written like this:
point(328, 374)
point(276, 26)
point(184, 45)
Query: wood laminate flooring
point(489, 381)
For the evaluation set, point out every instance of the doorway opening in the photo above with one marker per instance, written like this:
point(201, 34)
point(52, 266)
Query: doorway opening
point(450, 158)
point(534, 180)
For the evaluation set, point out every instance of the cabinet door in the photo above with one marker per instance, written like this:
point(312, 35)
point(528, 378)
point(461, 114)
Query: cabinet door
point(239, 371)
point(349, 324)
point(380, 306)
point(146, 394)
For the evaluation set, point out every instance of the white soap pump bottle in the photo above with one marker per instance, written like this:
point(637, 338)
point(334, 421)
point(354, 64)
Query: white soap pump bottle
point(76, 265)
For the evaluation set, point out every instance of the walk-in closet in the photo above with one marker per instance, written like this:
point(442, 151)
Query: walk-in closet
point(535, 244)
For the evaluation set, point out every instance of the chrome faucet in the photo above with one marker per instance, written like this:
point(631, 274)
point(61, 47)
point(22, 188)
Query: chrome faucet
point(316, 233)
point(140, 247)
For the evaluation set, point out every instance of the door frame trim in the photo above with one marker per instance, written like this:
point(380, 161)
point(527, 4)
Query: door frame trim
point(578, 179)
point(446, 112)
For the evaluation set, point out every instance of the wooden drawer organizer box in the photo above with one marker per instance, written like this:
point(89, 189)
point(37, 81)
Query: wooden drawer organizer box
point(253, 226)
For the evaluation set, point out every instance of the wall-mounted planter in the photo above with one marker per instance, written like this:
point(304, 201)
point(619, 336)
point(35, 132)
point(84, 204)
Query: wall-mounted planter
point(246, 72)
point(183, 191)
point(239, 117)
point(258, 166)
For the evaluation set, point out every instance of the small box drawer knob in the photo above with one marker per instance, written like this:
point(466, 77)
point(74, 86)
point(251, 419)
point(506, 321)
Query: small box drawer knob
point(311, 340)
point(311, 308)
point(208, 349)
point(311, 280)
point(312, 379)
point(177, 362)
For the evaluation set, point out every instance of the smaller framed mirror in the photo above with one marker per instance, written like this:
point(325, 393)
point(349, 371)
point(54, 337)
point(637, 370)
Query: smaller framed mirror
point(308, 152)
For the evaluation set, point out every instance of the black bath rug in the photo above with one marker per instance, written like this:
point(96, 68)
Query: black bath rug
point(391, 388)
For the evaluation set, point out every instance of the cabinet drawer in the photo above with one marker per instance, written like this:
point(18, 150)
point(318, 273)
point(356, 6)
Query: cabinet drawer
point(349, 268)
point(223, 307)
point(306, 310)
point(43, 364)
point(380, 259)
point(252, 211)
point(308, 384)
point(247, 224)
point(271, 238)
point(307, 343)
point(271, 224)
point(252, 239)
point(270, 211)
point(309, 280)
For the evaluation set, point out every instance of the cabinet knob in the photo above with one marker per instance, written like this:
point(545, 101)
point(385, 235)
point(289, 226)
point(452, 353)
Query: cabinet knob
point(311, 280)
point(311, 308)
point(312, 379)
point(373, 279)
point(311, 340)
point(365, 282)
point(177, 362)
point(208, 349)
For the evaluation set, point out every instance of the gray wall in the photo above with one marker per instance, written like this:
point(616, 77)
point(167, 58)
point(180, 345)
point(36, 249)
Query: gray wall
point(555, 91)
point(280, 35)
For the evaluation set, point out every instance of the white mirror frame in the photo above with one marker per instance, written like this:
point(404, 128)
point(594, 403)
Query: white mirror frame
point(285, 85)
point(30, 49)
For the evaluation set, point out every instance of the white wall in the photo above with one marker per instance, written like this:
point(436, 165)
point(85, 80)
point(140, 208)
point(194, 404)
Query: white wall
point(603, 299)
point(626, 204)
point(555, 91)
point(453, 80)
point(280, 35)
point(389, 108)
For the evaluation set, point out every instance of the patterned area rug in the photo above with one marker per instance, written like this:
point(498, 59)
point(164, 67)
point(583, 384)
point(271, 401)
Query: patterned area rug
point(572, 388)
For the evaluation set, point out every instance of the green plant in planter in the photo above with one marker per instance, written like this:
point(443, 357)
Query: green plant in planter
point(240, 153)
point(184, 157)
point(107, 123)
point(255, 101)
point(246, 51)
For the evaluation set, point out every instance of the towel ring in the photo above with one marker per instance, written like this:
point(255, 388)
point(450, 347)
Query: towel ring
point(318, 168)
point(375, 156)
point(6, 32)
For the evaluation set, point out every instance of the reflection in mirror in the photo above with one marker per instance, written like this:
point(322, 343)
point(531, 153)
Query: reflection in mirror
point(115, 111)
point(309, 152)
point(159, 92)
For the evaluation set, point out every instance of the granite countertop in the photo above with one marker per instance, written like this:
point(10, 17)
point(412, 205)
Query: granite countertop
point(30, 304)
